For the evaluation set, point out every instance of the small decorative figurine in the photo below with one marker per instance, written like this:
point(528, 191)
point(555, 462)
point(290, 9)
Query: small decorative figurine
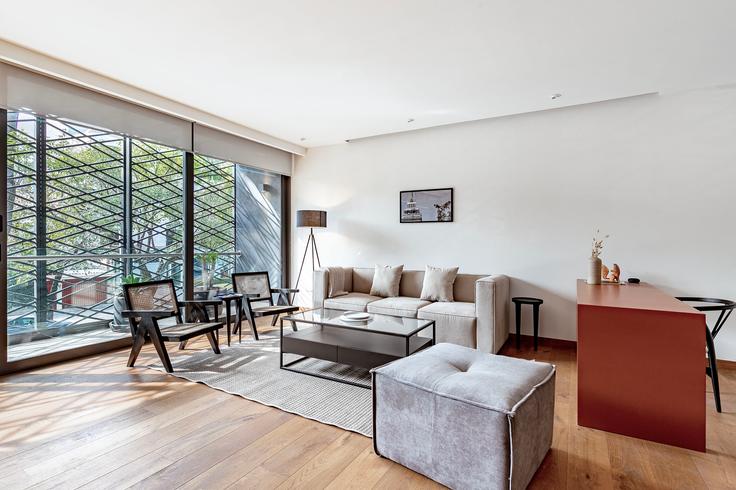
point(612, 275)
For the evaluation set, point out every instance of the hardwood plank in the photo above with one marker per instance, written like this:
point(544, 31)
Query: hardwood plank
point(670, 467)
point(325, 466)
point(88, 430)
point(404, 478)
point(279, 467)
point(364, 471)
point(180, 461)
point(49, 467)
point(232, 468)
point(627, 466)
point(200, 458)
point(217, 419)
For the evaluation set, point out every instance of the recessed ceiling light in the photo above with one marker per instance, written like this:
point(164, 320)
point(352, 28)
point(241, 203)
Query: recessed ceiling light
point(410, 120)
point(555, 96)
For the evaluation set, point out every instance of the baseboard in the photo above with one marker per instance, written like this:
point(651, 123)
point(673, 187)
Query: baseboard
point(546, 341)
point(567, 344)
point(726, 364)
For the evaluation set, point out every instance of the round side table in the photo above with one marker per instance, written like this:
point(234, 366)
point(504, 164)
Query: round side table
point(534, 302)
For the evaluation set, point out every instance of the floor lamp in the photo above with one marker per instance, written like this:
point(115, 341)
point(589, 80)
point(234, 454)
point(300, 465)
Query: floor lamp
point(310, 218)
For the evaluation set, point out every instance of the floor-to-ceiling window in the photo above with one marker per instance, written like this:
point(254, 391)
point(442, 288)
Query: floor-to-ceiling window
point(237, 222)
point(156, 212)
point(89, 209)
point(214, 223)
point(258, 223)
point(65, 209)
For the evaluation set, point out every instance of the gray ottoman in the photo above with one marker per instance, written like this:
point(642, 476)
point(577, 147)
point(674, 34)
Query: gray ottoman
point(465, 418)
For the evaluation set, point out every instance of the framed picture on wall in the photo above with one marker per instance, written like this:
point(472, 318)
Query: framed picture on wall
point(426, 206)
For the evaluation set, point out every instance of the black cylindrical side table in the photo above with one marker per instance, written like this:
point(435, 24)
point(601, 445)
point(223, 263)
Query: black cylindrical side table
point(535, 302)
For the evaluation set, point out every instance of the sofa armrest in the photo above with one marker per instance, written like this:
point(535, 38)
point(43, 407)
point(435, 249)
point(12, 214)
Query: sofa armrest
point(492, 296)
point(320, 285)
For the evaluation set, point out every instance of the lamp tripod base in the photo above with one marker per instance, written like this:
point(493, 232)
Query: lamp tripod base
point(311, 243)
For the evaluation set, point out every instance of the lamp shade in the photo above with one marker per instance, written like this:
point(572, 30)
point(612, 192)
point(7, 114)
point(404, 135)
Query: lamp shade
point(310, 218)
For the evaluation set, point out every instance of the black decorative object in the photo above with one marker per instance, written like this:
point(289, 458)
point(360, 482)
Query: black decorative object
point(426, 206)
point(634, 280)
point(535, 302)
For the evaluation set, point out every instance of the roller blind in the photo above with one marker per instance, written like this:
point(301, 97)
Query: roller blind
point(214, 143)
point(25, 90)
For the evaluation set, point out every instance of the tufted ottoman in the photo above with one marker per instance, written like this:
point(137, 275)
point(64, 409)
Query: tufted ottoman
point(465, 418)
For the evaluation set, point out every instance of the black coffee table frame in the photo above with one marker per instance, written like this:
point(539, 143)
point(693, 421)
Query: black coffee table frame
point(343, 344)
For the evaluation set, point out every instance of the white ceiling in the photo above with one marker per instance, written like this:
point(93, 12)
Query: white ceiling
point(329, 71)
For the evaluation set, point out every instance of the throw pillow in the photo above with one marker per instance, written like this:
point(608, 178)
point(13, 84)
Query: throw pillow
point(438, 283)
point(336, 280)
point(386, 280)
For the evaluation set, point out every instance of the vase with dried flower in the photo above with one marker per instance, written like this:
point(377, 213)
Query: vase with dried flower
point(595, 263)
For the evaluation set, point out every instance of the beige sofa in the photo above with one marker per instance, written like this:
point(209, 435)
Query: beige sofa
point(478, 317)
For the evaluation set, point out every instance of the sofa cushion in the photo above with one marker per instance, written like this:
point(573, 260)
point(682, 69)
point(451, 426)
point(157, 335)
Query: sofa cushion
point(438, 283)
point(386, 280)
point(350, 302)
point(456, 308)
point(464, 287)
point(411, 283)
point(454, 322)
point(362, 279)
point(398, 306)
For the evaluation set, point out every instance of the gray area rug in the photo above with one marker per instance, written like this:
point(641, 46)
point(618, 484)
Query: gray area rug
point(251, 370)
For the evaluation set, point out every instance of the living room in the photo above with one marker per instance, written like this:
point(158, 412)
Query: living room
point(352, 245)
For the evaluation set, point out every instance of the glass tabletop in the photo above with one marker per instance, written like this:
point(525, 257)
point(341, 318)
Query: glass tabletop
point(391, 325)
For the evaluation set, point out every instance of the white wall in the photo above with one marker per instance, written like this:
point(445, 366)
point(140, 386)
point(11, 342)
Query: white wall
point(656, 172)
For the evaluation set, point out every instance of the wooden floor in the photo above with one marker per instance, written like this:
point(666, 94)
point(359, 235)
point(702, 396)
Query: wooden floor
point(94, 423)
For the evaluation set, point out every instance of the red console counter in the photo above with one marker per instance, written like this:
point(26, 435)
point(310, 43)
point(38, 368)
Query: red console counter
point(641, 364)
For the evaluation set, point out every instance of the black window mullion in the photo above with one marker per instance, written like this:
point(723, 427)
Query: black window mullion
point(127, 205)
point(41, 290)
point(3, 239)
point(188, 224)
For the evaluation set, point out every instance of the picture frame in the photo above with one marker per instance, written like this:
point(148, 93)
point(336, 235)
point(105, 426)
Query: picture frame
point(427, 205)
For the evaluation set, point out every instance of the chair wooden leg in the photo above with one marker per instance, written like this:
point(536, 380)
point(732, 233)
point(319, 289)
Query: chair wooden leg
point(713, 368)
point(158, 343)
point(213, 342)
point(238, 321)
point(138, 340)
point(183, 344)
point(252, 321)
point(239, 318)
point(275, 319)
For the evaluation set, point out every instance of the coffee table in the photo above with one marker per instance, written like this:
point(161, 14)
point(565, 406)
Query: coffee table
point(321, 334)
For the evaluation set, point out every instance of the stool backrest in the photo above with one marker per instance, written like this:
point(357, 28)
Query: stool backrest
point(723, 306)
